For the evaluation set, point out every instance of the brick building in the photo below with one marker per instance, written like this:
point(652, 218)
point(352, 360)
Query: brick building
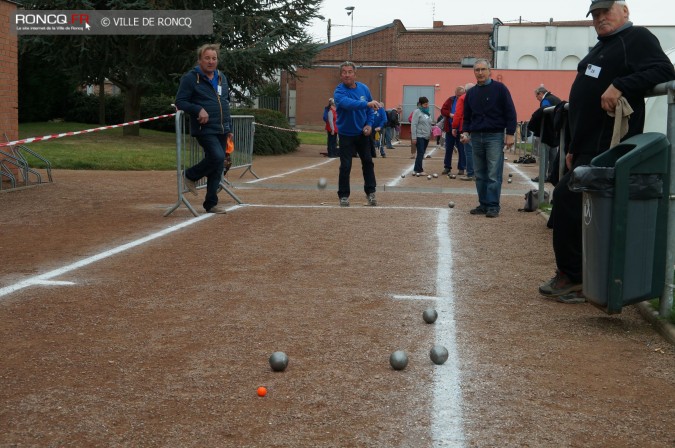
point(375, 51)
point(9, 73)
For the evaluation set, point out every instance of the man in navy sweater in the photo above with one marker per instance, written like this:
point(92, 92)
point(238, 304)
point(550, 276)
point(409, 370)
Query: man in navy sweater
point(203, 93)
point(626, 62)
point(488, 112)
point(356, 114)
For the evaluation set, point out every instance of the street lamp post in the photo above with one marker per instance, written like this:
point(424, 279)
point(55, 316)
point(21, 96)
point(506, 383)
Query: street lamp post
point(350, 12)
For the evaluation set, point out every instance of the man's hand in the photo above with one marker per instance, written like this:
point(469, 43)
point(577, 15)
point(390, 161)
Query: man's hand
point(465, 138)
point(203, 117)
point(510, 140)
point(610, 98)
point(367, 130)
point(454, 133)
point(374, 105)
point(568, 161)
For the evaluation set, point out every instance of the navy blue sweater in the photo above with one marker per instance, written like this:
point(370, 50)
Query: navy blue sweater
point(196, 92)
point(489, 108)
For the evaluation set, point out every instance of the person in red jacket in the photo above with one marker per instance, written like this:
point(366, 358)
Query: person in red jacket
point(448, 112)
point(332, 129)
point(457, 120)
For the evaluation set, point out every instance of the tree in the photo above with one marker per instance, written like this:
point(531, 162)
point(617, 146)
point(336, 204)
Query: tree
point(257, 37)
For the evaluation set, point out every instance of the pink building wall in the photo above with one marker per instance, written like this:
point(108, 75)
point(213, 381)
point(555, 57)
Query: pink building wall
point(521, 84)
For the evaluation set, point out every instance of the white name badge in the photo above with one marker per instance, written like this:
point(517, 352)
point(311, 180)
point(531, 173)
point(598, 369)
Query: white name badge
point(220, 90)
point(593, 71)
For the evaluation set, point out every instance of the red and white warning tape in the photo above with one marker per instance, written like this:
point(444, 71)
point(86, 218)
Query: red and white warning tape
point(288, 130)
point(86, 131)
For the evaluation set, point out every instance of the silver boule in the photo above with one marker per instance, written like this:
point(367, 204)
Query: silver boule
point(278, 361)
point(435, 175)
point(509, 180)
point(402, 175)
point(438, 354)
point(430, 315)
point(398, 360)
point(322, 183)
point(429, 177)
point(451, 204)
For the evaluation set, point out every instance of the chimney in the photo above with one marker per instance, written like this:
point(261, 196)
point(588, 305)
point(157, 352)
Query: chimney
point(438, 24)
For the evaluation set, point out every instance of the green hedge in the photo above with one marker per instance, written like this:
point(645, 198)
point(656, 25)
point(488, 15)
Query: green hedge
point(269, 141)
point(83, 108)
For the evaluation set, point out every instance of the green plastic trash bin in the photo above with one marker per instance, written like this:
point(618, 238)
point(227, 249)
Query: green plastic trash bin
point(624, 226)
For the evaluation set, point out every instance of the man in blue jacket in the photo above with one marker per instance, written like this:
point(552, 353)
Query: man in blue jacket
point(488, 112)
point(356, 115)
point(204, 95)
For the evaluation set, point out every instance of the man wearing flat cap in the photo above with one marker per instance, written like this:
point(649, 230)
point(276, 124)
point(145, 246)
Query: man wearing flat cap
point(626, 62)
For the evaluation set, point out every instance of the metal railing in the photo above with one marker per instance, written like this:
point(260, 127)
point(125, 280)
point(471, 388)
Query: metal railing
point(188, 153)
point(16, 155)
point(667, 88)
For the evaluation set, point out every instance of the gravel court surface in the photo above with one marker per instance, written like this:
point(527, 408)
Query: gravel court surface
point(129, 355)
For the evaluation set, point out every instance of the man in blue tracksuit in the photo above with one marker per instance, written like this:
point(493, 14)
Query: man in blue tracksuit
point(356, 115)
point(204, 95)
point(488, 112)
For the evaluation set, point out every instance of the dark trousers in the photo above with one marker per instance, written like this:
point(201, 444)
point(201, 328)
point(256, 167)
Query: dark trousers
point(566, 217)
point(332, 144)
point(359, 144)
point(450, 143)
point(211, 166)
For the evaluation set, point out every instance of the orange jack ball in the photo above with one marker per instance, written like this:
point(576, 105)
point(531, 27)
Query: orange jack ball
point(262, 391)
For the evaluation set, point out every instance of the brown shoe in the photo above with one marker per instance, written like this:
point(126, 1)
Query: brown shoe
point(559, 285)
point(189, 184)
point(217, 209)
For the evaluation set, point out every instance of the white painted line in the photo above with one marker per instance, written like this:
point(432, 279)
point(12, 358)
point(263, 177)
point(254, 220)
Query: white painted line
point(337, 205)
point(291, 172)
point(400, 297)
point(46, 277)
point(52, 283)
point(447, 428)
point(522, 174)
point(394, 182)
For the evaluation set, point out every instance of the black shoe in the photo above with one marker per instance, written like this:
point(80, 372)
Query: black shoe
point(535, 179)
point(478, 211)
point(491, 214)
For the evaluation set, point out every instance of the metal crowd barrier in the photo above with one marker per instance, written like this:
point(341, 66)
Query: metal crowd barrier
point(188, 153)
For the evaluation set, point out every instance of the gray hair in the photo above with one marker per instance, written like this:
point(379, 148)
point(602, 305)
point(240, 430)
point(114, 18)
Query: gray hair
point(540, 89)
point(206, 47)
point(482, 61)
point(347, 64)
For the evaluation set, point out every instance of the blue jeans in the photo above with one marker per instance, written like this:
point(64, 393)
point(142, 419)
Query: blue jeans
point(468, 151)
point(450, 143)
point(488, 159)
point(421, 146)
point(361, 145)
point(388, 132)
point(210, 166)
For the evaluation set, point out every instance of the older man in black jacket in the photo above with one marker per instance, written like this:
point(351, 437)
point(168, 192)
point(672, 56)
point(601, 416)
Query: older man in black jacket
point(626, 62)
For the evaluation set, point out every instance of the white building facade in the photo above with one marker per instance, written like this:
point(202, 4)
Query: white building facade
point(554, 45)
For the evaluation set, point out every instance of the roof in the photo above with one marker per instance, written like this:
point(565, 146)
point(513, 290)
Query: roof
point(361, 34)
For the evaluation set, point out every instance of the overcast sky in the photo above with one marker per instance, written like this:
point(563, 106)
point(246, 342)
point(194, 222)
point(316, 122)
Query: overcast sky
point(421, 13)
